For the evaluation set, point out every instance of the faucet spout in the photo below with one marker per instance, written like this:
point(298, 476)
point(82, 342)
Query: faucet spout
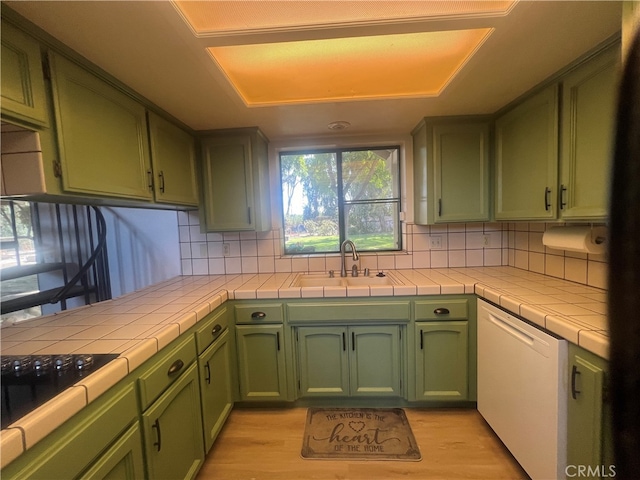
point(343, 251)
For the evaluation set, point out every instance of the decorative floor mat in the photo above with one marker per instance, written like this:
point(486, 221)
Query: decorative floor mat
point(359, 433)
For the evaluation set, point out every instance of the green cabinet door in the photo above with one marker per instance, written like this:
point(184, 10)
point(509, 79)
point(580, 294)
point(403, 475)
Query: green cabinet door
point(526, 156)
point(214, 366)
point(261, 362)
point(323, 361)
point(122, 461)
point(102, 134)
point(588, 117)
point(172, 430)
point(350, 361)
point(451, 170)
point(588, 414)
point(236, 181)
point(23, 90)
point(375, 361)
point(173, 155)
point(442, 361)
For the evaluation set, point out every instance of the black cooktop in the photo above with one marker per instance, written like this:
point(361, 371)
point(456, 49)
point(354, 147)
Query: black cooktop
point(28, 381)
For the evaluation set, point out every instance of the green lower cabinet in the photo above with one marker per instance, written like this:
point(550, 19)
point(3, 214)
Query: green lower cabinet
point(122, 461)
point(350, 361)
point(172, 429)
point(214, 367)
point(96, 443)
point(323, 361)
point(442, 360)
point(262, 372)
point(589, 445)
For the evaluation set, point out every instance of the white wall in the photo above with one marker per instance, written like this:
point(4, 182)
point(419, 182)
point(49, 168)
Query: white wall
point(143, 247)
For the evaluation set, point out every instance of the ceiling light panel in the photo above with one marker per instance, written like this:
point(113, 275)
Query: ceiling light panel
point(384, 66)
point(225, 17)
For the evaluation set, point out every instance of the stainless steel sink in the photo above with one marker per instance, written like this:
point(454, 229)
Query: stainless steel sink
point(324, 280)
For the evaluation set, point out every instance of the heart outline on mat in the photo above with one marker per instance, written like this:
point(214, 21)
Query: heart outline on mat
point(357, 426)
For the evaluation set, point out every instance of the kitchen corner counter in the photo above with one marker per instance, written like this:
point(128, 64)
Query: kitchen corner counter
point(138, 325)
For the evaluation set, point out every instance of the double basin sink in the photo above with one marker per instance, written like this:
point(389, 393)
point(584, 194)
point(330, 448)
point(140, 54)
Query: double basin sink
point(325, 280)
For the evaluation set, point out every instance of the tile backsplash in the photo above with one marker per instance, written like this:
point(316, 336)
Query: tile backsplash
point(461, 245)
point(526, 251)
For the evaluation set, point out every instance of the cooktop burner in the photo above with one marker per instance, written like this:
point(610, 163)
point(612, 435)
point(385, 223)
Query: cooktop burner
point(29, 381)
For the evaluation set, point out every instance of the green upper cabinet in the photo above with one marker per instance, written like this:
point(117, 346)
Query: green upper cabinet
point(588, 117)
point(236, 181)
point(526, 159)
point(173, 155)
point(451, 170)
point(102, 135)
point(23, 88)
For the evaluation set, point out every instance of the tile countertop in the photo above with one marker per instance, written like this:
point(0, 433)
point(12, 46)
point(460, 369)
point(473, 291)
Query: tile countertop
point(139, 324)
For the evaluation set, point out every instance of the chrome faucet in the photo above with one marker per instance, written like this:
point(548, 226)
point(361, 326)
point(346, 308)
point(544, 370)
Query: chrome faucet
point(343, 248)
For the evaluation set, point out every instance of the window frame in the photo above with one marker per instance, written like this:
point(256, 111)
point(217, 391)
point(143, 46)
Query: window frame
point(342, 227)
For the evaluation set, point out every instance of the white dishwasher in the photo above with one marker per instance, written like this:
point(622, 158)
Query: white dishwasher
point(522, 390)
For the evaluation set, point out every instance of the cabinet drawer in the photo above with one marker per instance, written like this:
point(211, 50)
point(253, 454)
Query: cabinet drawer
point(442, 309)
point(259, 313)
point(165, 370)
point(212, 327)
point(357, 311)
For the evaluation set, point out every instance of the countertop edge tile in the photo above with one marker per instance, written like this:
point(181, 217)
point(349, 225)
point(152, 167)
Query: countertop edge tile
point(11, 445)
point(594, 341)
point(140, 353)
point(566, 329)
point(104, 378)
point(44, 420)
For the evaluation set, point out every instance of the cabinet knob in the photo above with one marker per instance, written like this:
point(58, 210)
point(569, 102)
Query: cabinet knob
point(175, 367)
point(216, 330)
point(441, 311)
point(258, 315)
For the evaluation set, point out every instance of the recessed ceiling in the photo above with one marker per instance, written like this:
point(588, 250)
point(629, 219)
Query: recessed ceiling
point(149, 46)
point(418, 64)
point(340, 69)
point(238, 17)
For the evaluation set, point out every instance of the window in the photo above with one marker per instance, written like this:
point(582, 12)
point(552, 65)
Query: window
point(332, 195)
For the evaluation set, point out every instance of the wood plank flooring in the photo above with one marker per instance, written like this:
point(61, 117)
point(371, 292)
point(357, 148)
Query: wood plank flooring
point(264, 444)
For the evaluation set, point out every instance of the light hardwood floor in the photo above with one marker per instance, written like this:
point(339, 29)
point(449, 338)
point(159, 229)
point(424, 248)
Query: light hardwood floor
point(264, 444)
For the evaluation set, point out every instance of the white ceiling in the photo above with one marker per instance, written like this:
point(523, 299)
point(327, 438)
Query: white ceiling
point(148, 46)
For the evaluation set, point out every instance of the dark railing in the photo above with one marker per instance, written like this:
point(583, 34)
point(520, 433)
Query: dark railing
point(70, 244)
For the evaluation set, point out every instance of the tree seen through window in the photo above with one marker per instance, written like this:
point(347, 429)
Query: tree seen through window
point(332, 195)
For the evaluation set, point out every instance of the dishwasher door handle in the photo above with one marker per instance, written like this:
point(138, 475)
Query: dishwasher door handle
point(511, 329)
